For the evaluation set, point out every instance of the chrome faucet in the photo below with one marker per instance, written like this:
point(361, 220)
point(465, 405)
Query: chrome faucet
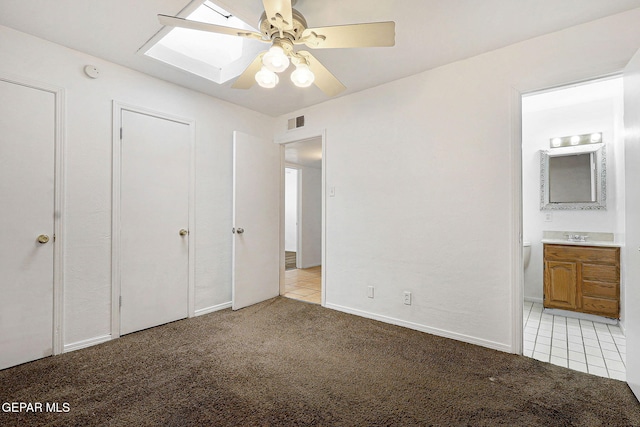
point(577, 237)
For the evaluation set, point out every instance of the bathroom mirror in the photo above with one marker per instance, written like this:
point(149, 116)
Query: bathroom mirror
point(573, 178)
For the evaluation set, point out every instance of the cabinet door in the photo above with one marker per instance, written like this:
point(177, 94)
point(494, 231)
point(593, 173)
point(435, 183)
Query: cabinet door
point(560, 284)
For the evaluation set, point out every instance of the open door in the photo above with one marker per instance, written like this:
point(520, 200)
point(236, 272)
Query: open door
point(256, 220)
point(632, 212)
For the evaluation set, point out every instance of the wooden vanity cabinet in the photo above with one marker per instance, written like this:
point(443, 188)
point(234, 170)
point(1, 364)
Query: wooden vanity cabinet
point(582, 278)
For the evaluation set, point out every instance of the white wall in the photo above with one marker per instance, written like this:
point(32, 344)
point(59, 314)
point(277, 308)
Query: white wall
point(631, 252)
point(427, 178)
point(291, 209)
point(578, 115)
point(87, 238)
point(311, 224)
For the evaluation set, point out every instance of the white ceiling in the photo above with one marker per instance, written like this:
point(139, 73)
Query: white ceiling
point(429, 33)
point(306, 153)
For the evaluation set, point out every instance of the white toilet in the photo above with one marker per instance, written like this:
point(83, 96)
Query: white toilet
point(526, 253)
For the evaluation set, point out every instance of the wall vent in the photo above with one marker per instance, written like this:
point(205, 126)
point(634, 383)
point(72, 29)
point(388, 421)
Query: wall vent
point(296, 122)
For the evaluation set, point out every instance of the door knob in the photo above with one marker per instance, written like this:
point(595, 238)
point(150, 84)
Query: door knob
point(43, 238)
point(183, 232)
point(238, 230)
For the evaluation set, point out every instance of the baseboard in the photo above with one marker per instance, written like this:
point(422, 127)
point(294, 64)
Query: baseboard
point(533, 299)
point(212, 309)
point(422, 328)
point(311, 266)
point(86, 343)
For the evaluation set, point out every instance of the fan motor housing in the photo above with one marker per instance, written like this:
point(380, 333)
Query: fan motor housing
point(294, 34)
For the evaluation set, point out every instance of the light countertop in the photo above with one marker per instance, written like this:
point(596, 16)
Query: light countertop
point(602, 243)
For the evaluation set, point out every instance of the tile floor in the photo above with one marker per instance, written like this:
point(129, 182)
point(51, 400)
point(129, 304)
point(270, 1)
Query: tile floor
point(303, 284)
point(583, 345)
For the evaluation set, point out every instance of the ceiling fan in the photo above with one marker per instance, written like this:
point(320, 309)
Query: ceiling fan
point(284, 28)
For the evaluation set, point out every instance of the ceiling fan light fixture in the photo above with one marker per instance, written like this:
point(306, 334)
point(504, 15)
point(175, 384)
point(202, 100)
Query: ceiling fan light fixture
point(267, 78)
point(276, 59)
point(302, 76)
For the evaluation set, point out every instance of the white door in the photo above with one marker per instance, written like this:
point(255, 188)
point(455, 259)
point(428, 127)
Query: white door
point(256, 220)
point(27, 150)
point(154, 208)
point(632, 178)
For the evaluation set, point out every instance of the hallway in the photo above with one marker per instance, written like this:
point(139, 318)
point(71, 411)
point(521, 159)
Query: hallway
point(304, 284)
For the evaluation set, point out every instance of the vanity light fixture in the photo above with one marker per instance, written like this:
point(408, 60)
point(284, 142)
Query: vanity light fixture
point(573, 140)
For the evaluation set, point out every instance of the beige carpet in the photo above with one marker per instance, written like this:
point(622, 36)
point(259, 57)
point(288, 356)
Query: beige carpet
point(290, 363)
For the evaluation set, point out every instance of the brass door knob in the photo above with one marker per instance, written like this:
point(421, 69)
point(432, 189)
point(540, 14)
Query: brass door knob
point(183, 232)
point(43, 238)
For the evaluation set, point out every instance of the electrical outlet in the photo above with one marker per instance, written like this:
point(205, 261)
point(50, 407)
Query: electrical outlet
point(548, 217)
point(407, 298)
point(370, 291)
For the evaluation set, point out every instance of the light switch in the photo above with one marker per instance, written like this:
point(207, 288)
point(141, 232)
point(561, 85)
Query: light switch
point(332, 191)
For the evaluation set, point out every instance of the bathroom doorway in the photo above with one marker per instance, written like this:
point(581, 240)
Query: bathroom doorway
point(555, 121)
point(303, 222)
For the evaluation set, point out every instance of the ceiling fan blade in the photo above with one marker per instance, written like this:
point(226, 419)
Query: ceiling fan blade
point(372, 34)
point(248, 76)
point(279, 13)
point(174, 21)
point(326, 81)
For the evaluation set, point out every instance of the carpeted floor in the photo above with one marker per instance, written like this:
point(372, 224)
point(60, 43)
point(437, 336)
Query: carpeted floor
point(290, 363)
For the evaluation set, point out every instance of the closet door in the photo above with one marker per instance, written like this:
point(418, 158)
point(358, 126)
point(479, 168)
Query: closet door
point(154, 221)
point(27, 168)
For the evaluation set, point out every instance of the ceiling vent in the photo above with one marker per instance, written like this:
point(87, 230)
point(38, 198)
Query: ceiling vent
point(296, 122)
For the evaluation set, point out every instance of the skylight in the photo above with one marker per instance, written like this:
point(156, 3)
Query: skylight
point(216, 57)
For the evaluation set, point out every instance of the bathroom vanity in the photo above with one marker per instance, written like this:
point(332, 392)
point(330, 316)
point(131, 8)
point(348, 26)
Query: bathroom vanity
point(583, 277)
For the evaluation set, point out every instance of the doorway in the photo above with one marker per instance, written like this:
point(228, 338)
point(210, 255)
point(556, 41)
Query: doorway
point(552, 119)
point(291, 216)
point(303, 220)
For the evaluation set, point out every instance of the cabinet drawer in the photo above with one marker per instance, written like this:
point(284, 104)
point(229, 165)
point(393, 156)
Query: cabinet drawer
point(581, 253)
point(600, 290)
point(600, 273)
point(601, 306)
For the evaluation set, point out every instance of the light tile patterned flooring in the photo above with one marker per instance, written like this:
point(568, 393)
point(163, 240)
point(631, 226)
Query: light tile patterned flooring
point(582, 345)
point(303, 284)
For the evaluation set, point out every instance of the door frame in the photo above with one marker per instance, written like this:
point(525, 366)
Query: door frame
point(517, 219)
point(118, 108)
point(59, 178)
point(299, 135)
